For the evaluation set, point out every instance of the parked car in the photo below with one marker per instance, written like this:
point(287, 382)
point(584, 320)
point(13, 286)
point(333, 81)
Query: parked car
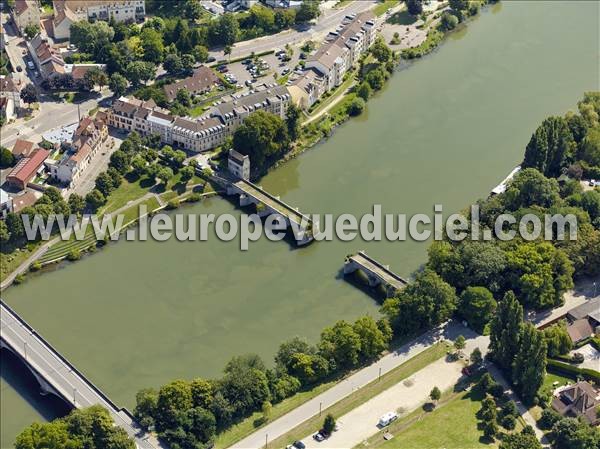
point(211, 59)
point(387, 419)
point(285, 71)
point(19, 68)
point(318, 437)
point(246, 61)
point(299, 444)
point(30, 65)
point(592, 183)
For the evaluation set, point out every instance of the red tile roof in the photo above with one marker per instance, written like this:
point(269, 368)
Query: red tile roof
point(26, 168)
point(23, 148)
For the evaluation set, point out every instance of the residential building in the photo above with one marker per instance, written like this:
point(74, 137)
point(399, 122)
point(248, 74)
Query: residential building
point(27, 199)
point(341, 50)
point(584, 320)
point(6, 204)
point(240, 4)
point(2, 38)
point(47, 59)
point(10, 90)
point(202, 80)
point(7, 109)
point(238, 164)
point(580, 400)
point(26, 169)
point(23, 148)
point(86, 142)
point(201, 134)
point(25, 13)
point(271, 98)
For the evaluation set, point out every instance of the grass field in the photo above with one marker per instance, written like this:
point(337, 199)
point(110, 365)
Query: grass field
point(365, 393)
point(247, 426)
point(384, 6)
point(452, 425)
point(11, 258)
point(126, 192)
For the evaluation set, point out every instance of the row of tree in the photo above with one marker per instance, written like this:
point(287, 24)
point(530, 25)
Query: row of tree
point(188, 414)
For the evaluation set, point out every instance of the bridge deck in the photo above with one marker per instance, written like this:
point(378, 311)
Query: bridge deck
point(61, 375)
point(266, 198)
point(382, 271)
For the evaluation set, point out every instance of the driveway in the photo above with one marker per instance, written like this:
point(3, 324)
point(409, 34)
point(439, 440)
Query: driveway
point(591, 357)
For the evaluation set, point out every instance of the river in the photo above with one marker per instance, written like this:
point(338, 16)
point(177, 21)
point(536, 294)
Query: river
point(444, 131)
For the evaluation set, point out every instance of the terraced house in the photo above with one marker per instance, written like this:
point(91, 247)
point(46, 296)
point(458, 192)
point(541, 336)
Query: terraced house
point(204, 133)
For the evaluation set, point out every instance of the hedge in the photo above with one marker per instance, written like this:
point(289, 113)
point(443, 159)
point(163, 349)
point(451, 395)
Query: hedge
point(564, 368)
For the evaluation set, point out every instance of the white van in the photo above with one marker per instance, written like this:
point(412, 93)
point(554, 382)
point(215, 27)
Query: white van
point(387, 419)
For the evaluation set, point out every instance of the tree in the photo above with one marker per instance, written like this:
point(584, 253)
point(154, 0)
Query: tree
point(193, 9)
point(356, 106)
point(245, 385)
point(459, 6)
point(415, 7)
point(429, 301)
point(29, 94)
point(202, 393)
point(505, 331)
point(477, 307)
point(186, 173)
point(183, 97)
point(540, 274)
point(118, 84)
point(435, 394)
point(164, 174)
point(488, 415)
point(96, 77)
point(476, 357)
point(308, 11)
point(4, 232)
point(329, 424)
point(292, 121)
point(173, 398)
point(381, 51)
point(520, 441)
point(262, 136)
point(91, 37)
point(341, 343)
point(92, 425)
point(173, 64)
point(227, 51)
point(460, 343)
point(448, 21)
point(364, 91)
point(569, 433)
point(152, 44)
point(138, 71)
point(76, 204)
point(224, 30)
point(551, 147)
point(375, 78)
point(288, 348)
point(95, 199)
point(31, 30)
point(6, 158)
point(557, 339)
point(200, 53)
point(529, 366)
point(15, 226)
point(146, 407)
point(372, 340)
point(266, 408)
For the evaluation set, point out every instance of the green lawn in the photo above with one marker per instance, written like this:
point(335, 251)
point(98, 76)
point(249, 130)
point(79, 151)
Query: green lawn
point(561, 379)
point(384, 6)
point(250, 424)
point(452, 425)
point(11, 258)
point(362, 395)
point(126, 192)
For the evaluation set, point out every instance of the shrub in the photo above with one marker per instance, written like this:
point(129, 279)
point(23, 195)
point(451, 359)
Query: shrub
point(554, 366)
point(35, 266)
point(548, 419)
point(194, 197)
point(19, 279)
point(173, 204)
point(509, 422)
point(577, 357)
point(356, 107)
point(74, 254)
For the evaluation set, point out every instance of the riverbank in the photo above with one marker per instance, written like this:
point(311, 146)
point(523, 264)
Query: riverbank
point(388, 156)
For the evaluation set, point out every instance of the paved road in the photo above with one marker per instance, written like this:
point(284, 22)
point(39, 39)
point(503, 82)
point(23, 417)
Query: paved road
point(357, 380)
point(328, 20)
point(61, 375)
point(341, 390)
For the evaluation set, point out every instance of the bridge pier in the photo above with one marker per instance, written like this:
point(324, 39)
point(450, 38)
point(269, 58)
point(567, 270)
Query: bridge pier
point(377, 274)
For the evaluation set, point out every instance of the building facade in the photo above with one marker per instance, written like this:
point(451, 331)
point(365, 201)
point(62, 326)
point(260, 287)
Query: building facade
point(25, 13)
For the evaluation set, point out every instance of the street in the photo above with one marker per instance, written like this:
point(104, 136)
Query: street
point(328, 20)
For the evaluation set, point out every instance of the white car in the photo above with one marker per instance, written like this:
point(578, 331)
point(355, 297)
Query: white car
point(593, 183)
point(387, 419)
point(30, 65)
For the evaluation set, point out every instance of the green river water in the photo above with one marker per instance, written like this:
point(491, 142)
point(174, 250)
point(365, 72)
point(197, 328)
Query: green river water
point(446, 130)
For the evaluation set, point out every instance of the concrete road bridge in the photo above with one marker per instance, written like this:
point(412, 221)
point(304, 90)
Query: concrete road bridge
point(267, 204)
point(56, 375)
point(376, 272)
